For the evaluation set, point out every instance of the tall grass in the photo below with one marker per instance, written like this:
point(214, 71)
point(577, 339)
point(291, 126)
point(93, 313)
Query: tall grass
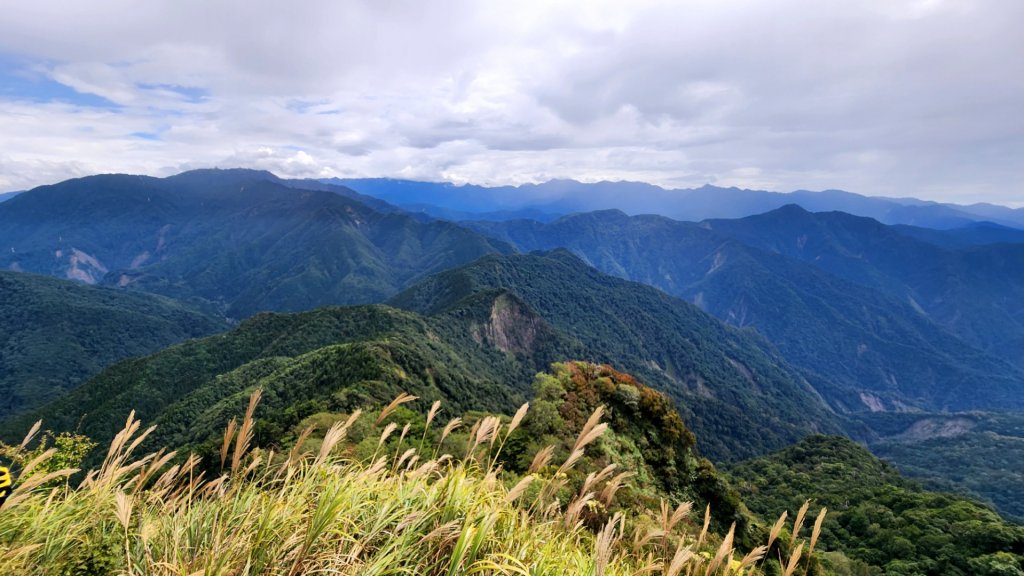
point(403, 512)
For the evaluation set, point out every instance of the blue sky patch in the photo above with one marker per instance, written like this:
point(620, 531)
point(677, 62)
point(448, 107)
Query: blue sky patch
point(189, 94)
point(21, 79)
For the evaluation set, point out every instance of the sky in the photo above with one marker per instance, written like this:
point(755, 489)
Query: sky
point(915, 98)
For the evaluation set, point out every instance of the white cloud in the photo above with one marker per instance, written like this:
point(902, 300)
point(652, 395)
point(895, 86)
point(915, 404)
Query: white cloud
point(905, 97)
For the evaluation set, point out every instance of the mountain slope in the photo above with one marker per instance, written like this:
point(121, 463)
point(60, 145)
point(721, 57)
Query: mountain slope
point(732, 388)
point(238, 238)
point(976, 293)
point(327, 359)
point(56, 334)
point(877, 517)
point(864, 349)
point(492, 325)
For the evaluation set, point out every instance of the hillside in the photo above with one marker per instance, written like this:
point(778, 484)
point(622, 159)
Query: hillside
point(489, 327)
point(976, 293)
point(878, 518)
point(573, 484)
point(56, 334)
point(327, 359)
point(237, 238)
point(731, 386)
point(975, 453)
point(863, 348)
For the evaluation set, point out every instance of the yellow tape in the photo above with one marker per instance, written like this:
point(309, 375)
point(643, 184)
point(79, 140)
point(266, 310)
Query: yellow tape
point(5, 477)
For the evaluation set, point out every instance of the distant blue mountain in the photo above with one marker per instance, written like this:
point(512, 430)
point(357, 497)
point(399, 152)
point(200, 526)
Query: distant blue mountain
point(973, 234)
point(692, 204)
point(8, 195)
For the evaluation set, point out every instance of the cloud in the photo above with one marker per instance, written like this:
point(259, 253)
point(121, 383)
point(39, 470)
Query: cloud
point(904, 97)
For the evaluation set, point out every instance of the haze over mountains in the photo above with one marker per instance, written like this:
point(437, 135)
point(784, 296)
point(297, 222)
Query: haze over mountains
point(762, 328)
point(542, 201)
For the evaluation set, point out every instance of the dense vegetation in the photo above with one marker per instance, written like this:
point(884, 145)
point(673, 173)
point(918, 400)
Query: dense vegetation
point(503, 320)
point(733, 389)
point(887, 524)
point(56, 334)
point(862, 347)
point(976, 293)
point(409, 506)
point(981, 454)
point(327, 359)
point(238, 238)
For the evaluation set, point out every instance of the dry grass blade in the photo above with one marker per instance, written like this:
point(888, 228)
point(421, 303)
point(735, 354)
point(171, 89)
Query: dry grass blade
point(519, 488)
point(517, 419)
point(725, 549)
point(799, 522)
point(229, 435)
point(398, 401)
point(43, 457)
point(573, 510)
point(604, 543)
point(123, 508)
point(388, 430)
point(541, 459)
point(707, 523)
point(777, 528)
point(753, 557)
point(816, 531)
point(611, 487)
point(570, 461)
point(293, 454)
point(679, 559)
point(24, 490)
point(680, 512)
point(794, 560)
point(450, 427)
point(245, 431)
point(591, 429)
point(434, 409)
point(31, 433)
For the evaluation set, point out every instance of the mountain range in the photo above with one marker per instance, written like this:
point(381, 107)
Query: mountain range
point(238, 239)
point(474, 337)
point(762, 328)
point(569, 196)
point(864, 338)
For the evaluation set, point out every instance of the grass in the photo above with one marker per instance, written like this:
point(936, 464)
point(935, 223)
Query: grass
point(410, 509)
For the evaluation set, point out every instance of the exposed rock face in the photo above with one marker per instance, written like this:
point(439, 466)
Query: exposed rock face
point(512, 326)
point(84, 267)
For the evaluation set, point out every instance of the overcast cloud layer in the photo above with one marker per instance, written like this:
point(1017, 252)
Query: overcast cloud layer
point(883, 97)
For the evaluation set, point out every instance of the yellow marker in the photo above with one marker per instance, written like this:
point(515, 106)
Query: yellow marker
point(5, 484)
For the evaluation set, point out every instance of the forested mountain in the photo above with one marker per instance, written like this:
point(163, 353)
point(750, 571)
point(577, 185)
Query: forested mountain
point(974, 234)
point(487, 328)
point(885, 523)
point(238, 238)
point(865, 349)
point(730, 385)
point(977, 292)
point(568, 196)
point(56, 334)
point(327, 359)
point(975, 453)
